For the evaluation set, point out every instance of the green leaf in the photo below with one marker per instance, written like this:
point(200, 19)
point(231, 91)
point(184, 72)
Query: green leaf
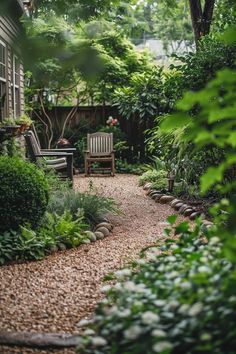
point(232, 139)
point(212, 175)
point(171, 219)
point(177, 120)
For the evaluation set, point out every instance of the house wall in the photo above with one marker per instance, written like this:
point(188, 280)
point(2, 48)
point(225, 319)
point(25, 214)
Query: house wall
point(9, 31)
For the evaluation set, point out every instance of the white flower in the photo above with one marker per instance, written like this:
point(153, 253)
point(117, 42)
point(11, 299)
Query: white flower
point(204, 269)
point(195, 309)
point(130, 285)
point(161, 268)
point(123, 273)
point(173, 304)
point(172, 275)
point(118, 286)
point(177, 281)
point(205, 337)
point(204, 259)
point(161, 346)
point(214, 240)
point(159, 303)
point(149, 317)
point(171, 258)
point(125, 313)
point(133, 332)
point(98, 341)
point(184, 309)
point(83, 323)
point(106, 288)
point(185, 285)
point(158, 333)
point(89, 332)
point(138, 303)
point(141, 261)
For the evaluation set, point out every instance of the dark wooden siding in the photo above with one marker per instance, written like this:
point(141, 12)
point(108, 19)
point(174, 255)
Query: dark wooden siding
point(9, 31)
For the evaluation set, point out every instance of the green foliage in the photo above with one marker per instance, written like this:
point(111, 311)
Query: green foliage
point(23, 193)
point(159, 177)
point(181, 301)
point(200, 67)
point(150, 93)
point(92, 205)
point(122, 166)
point(172, 24)
point(55, 232)
point(65, 228)
point(208, 120)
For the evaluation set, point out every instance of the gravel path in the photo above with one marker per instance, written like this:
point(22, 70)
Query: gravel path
point(55, 293)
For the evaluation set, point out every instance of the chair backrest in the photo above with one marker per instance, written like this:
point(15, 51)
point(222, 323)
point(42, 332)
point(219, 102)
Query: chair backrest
point(32, 144)
point(100, 144)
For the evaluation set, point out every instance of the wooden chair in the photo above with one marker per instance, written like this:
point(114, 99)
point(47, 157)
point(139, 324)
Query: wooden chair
point(99, 149)
point(63, 160)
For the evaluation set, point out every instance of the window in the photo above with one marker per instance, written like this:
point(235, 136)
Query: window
point(15, 78)
point(2, 80)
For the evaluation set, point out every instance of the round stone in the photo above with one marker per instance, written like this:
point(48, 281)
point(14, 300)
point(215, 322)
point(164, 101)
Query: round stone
point(158, 196)
point(147, 186)
point(166, 199)
point(188, 211)
point(177, 206)
point(106, 225)
point(85, 241)
point(175, 201)
point(104, 230)
point(183, 208)
point(91, 236)
point(99, 235)
point(153, 191)
point(194, 215)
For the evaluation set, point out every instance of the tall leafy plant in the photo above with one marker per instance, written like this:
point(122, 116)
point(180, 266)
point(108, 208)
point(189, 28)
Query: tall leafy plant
point(207, 118)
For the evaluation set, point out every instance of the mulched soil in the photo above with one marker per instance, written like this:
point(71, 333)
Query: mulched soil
point(52, 295)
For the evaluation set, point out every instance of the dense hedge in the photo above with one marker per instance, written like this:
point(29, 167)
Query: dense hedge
point(23, 193)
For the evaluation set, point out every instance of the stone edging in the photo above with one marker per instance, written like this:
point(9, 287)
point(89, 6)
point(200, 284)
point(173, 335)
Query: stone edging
point(181, 207)
point(102, 230)
point(39, 340)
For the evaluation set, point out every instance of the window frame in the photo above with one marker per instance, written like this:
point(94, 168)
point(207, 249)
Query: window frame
point(15, 86)
point(3, 80)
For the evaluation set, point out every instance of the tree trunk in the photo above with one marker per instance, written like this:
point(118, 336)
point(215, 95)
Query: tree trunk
point(201, 18)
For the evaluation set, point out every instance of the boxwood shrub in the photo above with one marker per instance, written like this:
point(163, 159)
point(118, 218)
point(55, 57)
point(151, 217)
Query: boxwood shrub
point(23, 193)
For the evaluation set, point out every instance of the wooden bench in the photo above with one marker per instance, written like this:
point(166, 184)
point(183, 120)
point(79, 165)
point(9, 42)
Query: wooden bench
point(99, 149)
point(63, 160)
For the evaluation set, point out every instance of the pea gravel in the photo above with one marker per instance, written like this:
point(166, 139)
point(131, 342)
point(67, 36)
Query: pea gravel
point(54, 294)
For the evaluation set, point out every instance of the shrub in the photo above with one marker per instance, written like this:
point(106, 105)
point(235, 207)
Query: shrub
point(93, 206)
point(23, 193)
point(155, 176)
point(182, 301)
point(55, 232)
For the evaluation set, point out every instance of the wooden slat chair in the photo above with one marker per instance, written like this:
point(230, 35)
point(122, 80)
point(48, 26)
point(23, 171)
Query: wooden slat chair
point(99, 149)
point(63, 160)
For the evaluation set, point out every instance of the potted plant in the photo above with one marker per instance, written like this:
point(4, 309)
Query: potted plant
point(25, 122)
point(10, 125)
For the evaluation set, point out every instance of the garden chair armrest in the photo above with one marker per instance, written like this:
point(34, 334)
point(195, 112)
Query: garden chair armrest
point(60, 154)
point(59, 149)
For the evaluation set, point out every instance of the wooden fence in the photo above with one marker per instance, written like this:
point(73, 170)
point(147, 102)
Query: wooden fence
point(95, 116)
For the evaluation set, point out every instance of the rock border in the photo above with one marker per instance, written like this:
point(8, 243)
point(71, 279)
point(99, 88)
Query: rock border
point(39, 340)
point(181, 207)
